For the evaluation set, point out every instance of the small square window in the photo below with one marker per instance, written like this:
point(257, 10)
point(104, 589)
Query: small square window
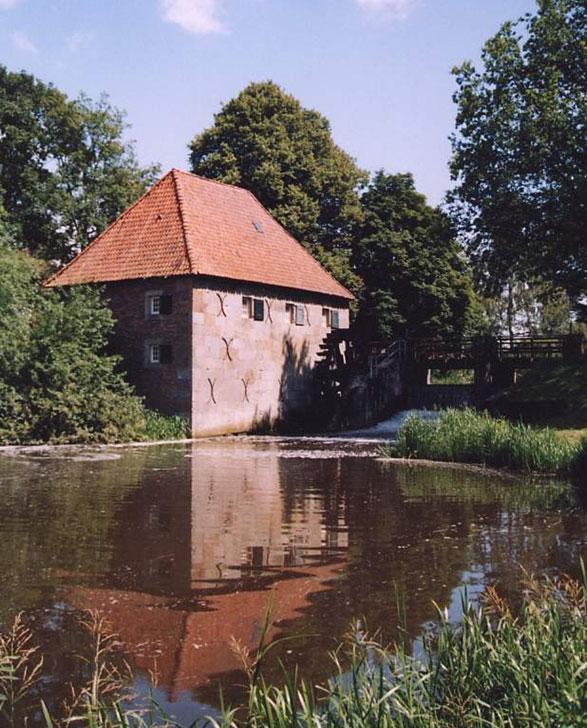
point(326, 317)
point(155, 305)
point(290, 311)
point(335, 319)
point(155, 354)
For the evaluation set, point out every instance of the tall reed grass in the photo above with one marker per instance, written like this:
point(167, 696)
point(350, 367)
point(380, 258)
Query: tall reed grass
point(495, 669)
point(467, 436)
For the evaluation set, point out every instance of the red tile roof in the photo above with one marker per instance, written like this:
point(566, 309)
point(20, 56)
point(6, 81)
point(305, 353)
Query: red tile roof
point(188, 225)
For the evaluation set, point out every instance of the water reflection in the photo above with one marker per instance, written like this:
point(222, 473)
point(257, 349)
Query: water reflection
point(183, 547)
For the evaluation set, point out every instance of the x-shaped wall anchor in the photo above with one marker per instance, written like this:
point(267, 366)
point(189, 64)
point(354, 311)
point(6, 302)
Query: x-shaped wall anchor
point(246, 388)
point(268, 302)
point(212, 383)
point(221, 309)
point(227, 343)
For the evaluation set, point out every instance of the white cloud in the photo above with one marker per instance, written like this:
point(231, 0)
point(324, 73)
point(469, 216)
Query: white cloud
point(195, 16)
point(77, 40)
point(8, 4)
point(388, 8)
point(22, 42)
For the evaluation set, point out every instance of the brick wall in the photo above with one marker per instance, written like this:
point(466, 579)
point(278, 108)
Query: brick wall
point(167, 387)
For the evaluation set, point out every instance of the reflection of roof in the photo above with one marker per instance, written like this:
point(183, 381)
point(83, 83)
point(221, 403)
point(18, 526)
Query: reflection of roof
point(188, 225)
point(186, 649)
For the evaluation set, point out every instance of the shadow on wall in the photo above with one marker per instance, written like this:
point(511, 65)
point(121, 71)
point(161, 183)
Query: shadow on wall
point(297, 411)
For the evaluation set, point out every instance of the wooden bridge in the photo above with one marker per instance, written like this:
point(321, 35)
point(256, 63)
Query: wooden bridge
point(383, 374)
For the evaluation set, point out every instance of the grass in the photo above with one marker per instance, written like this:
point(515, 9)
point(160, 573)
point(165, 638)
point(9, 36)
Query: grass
point(495, 669)
point(467, 436)
point(165, 427)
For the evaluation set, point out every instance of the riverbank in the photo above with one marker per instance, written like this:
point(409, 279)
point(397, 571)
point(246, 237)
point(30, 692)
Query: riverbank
point(467, 436)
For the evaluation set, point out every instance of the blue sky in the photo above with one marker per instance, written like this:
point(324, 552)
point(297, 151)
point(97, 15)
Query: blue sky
point(378, 69)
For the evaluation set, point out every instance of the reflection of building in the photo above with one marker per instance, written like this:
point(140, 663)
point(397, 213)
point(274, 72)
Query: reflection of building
point(201, 550)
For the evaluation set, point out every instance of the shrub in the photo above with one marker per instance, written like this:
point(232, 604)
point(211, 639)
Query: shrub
point(57, 381)
point(470, 437)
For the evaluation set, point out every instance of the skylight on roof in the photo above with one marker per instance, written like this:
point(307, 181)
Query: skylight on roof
point(258, 226)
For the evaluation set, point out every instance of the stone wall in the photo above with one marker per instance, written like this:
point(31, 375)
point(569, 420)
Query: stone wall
point(228, 372)
point(250, 374)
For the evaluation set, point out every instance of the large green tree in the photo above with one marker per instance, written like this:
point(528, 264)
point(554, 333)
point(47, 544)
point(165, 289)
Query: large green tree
point(65, 169)
point(267, 142)
point(519, 157)
point(416, 278)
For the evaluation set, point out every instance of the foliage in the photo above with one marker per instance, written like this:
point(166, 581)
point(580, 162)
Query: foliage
point(165, 427)
point(56, 381)
point(467, 436)
point(265, 141)
point(65, 170)
point(495, 669)
point(415, 277)
point(534, 308)
point(519, 152)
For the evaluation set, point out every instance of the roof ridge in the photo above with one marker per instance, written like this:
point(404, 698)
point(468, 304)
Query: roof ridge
point(122, 215)
point(180, 207)
point(209, 179)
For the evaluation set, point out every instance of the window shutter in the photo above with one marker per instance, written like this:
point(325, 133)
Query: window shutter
point(299, 315)
point(166, 305)
point(334, 319)
point(259, 310)
point(165, 354)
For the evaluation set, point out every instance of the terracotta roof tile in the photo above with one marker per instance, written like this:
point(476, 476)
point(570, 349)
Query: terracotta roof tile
point(188, 225)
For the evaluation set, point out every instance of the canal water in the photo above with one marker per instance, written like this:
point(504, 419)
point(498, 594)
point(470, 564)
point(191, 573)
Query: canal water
point(183, 547)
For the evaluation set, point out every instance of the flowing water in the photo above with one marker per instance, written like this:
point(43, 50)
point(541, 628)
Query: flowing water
point(182, 548)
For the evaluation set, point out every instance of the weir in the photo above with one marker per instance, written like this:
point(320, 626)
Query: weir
point(359, 386)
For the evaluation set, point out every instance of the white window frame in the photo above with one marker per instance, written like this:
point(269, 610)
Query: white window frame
point(247, 307)
point(155, 354)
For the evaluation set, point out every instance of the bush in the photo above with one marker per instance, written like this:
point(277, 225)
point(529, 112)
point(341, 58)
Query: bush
point(467, 436)
point(57, 381)
point(165, 427)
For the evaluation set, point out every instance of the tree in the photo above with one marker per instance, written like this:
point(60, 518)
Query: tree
point(56, 380)
point(416, 278)
point(265, 141)
point(65, 171)
point(519, 155)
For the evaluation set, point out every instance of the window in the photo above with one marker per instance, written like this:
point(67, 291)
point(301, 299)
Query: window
point(247, 307)
point(159, 304)
point(160, 354)
point(296, 314)
point(300, 318)
point(155, 305)
point(331, 318)
point(253, 308)
point(259, 309)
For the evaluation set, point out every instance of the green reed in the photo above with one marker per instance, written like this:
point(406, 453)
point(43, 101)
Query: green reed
point(495, 669)
point(467, 436)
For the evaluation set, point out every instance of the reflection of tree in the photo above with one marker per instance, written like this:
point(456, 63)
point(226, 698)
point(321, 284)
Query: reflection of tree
point(56, 516)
